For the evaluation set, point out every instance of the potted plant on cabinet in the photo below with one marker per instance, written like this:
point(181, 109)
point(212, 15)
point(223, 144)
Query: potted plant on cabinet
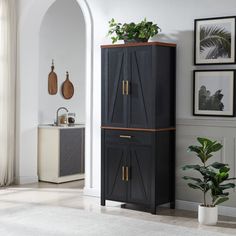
point(213, 180)
point(131, 32)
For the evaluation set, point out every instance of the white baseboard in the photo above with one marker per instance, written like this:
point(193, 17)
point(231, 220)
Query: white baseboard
point(193, 206)
point(26, 179)
point(91, 192)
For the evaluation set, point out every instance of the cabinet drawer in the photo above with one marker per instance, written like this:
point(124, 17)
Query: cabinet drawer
point(124, 136)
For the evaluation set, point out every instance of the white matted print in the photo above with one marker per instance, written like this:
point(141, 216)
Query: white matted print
point(214, 93)
point(214, 40)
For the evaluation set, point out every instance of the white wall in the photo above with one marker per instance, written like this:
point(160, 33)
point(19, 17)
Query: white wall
point(176, 20)
point(62, 38)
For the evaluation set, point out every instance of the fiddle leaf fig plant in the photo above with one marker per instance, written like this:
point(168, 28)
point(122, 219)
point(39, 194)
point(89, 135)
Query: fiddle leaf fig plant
point(140, 32)
point(214, 176)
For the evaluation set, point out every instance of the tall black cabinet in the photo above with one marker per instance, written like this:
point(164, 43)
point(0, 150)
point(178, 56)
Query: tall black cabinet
point(138, 124)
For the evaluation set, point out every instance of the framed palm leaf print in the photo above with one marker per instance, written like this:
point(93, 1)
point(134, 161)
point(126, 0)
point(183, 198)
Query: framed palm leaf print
point(214, 40)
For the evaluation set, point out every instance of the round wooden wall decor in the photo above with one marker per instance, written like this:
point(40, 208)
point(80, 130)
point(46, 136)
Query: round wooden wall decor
point(67, 88)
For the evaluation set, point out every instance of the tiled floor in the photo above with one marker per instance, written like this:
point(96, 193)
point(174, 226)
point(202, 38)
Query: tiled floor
point(71, 195)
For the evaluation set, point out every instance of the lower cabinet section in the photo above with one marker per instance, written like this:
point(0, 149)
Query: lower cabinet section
point(138, 167)
point(127, 171)
point(60, 154)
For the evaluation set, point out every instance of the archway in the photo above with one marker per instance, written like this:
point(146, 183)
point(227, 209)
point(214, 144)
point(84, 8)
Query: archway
point(27, 90)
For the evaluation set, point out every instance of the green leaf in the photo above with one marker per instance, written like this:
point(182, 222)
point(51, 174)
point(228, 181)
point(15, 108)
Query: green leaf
point(188, 167)
point(202, 140)
point(230, 179)
point(220, 200)
point(192, 178)
point(216, 147)
point(196, 149)
point(224, 169)
point(206, 172)
point(218, 165)
point(227, 186)
point(195, 186)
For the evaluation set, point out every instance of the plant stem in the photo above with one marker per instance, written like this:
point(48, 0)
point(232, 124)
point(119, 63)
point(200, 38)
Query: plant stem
point(204, 198)
point(204, 186)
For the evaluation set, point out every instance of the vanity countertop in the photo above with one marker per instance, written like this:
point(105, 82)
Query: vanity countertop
point(52, 126)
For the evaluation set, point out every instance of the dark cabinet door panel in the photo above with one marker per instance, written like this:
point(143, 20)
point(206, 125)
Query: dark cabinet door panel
point(140, 160)
point(113, 98)
point(141, 107)
point(71, 151)
point(116, 188)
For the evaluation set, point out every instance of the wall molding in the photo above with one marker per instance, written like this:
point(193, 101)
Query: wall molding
point(210, 122)
point(193, 206)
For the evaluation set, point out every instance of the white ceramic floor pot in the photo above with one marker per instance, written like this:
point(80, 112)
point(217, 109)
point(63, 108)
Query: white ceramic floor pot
point(207, 215)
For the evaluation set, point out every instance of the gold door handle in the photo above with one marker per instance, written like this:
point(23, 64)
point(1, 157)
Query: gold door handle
point(126, 136)
point(126, 173)
point(127, 87)
point(123, 173)
point(123, 87)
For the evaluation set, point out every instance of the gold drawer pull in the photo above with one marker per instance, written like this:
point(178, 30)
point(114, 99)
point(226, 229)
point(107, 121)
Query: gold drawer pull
point(125, 136)
point(127, 173)
point(123, 173)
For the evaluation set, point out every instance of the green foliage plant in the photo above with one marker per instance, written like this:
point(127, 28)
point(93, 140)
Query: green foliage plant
point(141, 31)
point(214, 176)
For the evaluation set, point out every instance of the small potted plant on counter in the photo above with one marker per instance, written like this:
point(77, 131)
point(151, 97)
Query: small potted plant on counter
point(131, 32)
point(214, 180)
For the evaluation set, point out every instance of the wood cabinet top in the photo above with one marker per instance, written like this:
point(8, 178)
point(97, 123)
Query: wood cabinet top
point(139, 44)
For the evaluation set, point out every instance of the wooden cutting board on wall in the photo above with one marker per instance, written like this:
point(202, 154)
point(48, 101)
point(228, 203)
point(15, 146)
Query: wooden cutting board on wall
point(67, 88)
point(52, 81)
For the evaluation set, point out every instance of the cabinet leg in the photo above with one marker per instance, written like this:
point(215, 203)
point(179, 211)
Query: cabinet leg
point(172, 205)
point(103, 202)
point(153, 210)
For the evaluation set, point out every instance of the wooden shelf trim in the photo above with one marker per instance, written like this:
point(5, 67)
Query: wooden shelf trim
point(140, 129)
point(139, 44)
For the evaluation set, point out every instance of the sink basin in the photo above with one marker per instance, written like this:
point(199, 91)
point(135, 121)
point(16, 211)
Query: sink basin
point(55, 125)
point(50, 124)
point(62, 125)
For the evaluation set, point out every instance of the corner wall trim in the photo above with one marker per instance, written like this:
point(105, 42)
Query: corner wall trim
point(193, 206)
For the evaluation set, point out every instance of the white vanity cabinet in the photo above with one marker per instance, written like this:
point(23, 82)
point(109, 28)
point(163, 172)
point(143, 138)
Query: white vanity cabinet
point(60, 153)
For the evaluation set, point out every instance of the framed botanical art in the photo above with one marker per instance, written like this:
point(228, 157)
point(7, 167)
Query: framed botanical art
point(214, 93)
point(214, 40)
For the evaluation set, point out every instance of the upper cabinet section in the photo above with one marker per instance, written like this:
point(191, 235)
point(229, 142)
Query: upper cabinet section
point(138, 86)
point(114, 75)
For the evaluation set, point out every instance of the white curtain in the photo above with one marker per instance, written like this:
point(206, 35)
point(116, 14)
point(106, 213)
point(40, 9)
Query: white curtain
point(7, 90)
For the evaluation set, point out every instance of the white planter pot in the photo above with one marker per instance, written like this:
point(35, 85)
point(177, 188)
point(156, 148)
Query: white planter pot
point(207, 215)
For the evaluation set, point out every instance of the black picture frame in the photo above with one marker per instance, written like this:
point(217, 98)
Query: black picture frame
point(205, 50)
point(214, 93)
